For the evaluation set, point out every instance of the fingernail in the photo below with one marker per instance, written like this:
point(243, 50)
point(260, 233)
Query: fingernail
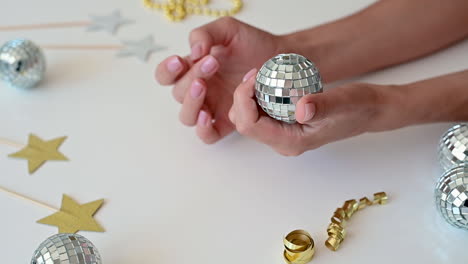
point(309, 111)
point(196, 51)
point(209, 65)
point(249, 75)
point(203, 118)
point(174, 65)
point(196, 89)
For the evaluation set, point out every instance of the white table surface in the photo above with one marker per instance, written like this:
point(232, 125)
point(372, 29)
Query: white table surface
point(172, 199)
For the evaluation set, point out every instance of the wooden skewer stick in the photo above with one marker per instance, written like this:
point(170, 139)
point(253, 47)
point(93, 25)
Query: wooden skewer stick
point(19, 196)
point(46, 25)
point(82, 47)
point(11, 143)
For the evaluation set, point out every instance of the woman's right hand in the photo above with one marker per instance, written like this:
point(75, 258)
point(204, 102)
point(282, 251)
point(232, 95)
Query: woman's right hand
point(204, 82)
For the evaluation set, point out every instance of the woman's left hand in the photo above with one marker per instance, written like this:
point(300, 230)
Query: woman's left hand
point(335, 114)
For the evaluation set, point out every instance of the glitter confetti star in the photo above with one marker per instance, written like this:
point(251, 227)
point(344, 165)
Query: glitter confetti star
point(74, 217)
point(141, 49)
point(38, 151)
point(109, 23)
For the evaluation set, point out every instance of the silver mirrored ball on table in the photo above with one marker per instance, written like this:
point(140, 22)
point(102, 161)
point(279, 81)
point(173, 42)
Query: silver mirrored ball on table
point(66, 249)
point(451, 196)
point(22, 63)
point(282, 81)
point(453, 147)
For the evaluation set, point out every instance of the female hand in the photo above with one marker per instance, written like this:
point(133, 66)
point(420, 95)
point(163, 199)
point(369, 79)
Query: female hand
point(204, 82)
point(322, 118)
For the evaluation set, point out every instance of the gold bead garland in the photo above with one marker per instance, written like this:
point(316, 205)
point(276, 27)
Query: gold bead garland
point(177, 10)
point(336, 230)
point(299, 247)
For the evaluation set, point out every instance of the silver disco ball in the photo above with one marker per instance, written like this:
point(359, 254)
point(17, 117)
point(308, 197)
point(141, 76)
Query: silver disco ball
point(22, 63)
point(451, 196)
point(282, 81)
point(453, 147)
point(66, 249)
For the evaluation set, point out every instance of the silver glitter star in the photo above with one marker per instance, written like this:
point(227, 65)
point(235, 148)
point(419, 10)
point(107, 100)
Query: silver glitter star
point(141, 49)
point(109, 23)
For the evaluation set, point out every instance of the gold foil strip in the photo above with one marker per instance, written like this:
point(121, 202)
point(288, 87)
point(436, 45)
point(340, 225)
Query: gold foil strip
point(380, 198)
point(299, 247)
point(350, 207)
point(336, 230)
point(297, 241)
point(333, 243)
point(364, 202)
point(339, 217)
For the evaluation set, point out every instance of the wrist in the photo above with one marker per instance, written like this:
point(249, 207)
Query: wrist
point(317, 49)
point(338, 48)
point(393, 106)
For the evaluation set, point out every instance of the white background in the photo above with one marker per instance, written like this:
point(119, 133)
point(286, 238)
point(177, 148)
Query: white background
point(170, 198)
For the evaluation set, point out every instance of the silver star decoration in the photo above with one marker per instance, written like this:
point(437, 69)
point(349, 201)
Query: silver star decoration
point(108, 23)
point(141, 49)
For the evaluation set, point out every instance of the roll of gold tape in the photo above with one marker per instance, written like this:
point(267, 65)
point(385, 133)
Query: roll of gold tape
point(299, 247)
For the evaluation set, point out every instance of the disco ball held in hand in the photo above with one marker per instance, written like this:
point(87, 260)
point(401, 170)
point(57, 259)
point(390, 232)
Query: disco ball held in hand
point(282, 81)
point(66, 249)
point(451, 196)
point(22, 63)
point(453, 147)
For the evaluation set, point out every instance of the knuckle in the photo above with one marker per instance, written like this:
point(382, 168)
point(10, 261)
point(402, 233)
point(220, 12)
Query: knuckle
point(227, 20)
point(243, 128)
point(290, 152)
point(195, 32)
point(293, 149)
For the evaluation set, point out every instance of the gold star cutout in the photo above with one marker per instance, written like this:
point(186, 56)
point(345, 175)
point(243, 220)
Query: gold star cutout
point(38, 151)
point(74, 217)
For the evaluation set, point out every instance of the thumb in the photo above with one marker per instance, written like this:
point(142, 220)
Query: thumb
point(315, 107)
point(219, 32)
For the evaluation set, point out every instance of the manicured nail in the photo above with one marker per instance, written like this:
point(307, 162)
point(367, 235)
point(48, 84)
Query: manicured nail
point(174, 65)
point(249, 75)
point(209, 65)
point(309, 111)
point(196, 51)
point(203, 118)
point(196, 89)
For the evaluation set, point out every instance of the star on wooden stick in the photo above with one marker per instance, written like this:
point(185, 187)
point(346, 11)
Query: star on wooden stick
point(38, 151)
point(141, 49)
point(74, 217)
point(109, 23)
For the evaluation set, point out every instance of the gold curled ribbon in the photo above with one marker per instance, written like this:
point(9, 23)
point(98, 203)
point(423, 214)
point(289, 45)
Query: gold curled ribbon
point(350, 207)
point(380, 198)
point(333, 243)
point(297, 241)
point(336, 231)
point(339, 217)
point(364, 202)
point(299, 247)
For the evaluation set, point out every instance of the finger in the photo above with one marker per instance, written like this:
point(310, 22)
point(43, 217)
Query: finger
point(315, 107)
point(169, 70)
point(193, 102)
point(209, 131)
point(204, 69)
point(250, 123)
point(232, 115)
point(219, 32)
